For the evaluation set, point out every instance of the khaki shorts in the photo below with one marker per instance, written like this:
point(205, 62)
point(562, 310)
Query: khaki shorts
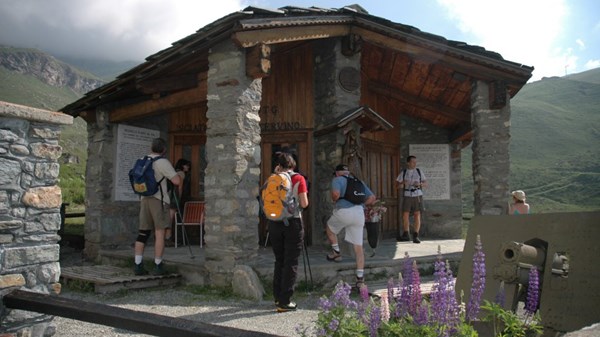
point(152, 215)
point(352, 219)
point(412, 204)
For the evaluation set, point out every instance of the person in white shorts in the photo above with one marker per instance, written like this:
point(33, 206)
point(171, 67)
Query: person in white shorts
point(349, 216)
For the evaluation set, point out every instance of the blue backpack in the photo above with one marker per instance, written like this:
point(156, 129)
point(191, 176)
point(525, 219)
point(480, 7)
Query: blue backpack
point(142, 177)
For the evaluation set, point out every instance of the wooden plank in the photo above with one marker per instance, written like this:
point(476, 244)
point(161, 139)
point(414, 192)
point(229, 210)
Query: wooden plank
point(137, 321)
point(107, 278)
point(288, 34)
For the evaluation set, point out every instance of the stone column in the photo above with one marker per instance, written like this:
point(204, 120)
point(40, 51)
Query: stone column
point(30, 201)
point(233, 170)
point(491, 158)
point(331, 100)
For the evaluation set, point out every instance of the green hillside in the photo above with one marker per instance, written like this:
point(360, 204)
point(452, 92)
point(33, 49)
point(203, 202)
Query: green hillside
point(555, 136)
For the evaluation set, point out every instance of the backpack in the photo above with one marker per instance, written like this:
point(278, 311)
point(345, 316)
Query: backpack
point(142, 177)
point(278, 197)
point(355, 191)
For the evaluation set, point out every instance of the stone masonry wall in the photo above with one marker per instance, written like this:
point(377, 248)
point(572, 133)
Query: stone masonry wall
point(331, 101)
point(30, 203)
point(109, 224)
point(491, 156)
point(233, 171)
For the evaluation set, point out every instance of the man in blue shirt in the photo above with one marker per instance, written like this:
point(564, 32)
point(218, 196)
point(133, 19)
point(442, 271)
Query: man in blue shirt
point(349, 216)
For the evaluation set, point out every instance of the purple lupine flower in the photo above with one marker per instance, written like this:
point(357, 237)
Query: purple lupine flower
point(333, 325)
point(374, 321)
point(422, 317)
point(478, 285)
point(415, 296)
point(403, 301)
point(438, 297)
point(325, 304)
point(341, 296)
point(533, 291)
point(499, 299)
point(453, 304)
point(390, 290)
point(364, 293)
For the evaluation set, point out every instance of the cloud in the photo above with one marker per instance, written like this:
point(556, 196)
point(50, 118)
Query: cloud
point(107, 29)
point(519, 30)
point(591, 64)
point(580, 43)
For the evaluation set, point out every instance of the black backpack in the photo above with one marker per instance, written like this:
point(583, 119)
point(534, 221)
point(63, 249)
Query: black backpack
point(355, 191)
point(418, 171)
point(142, 179)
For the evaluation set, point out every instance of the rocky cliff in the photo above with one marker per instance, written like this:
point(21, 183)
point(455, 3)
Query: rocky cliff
point(47, 69)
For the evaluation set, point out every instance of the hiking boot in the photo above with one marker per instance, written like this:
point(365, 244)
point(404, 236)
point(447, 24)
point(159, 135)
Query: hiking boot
point(360, 282)
point(159, 269)
point(139, 270)
point(416, 238)
point(287, 307)
point(404, 237)
point(334, 256)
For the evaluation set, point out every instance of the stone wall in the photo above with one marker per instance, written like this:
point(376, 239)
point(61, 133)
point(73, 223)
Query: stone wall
point(30, 203)
point(442, 218)
point(331, 101)
point(109, 224)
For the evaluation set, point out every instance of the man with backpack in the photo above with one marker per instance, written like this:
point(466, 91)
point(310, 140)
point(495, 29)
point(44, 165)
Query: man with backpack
point(411, 180)
point(283, 197)
point(154, 209)
point(350, 195)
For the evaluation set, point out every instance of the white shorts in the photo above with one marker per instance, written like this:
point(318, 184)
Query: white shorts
point(352, 219)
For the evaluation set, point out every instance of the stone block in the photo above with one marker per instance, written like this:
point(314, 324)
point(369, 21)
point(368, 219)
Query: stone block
point(43, 197)
point(246, 283)
point(11, 280)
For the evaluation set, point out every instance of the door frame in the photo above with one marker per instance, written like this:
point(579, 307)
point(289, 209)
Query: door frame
point(304, 140)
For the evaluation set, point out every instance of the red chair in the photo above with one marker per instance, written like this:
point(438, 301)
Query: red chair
point(193, 215)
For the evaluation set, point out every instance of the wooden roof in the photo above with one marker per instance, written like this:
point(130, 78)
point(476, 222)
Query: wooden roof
point(423, 75)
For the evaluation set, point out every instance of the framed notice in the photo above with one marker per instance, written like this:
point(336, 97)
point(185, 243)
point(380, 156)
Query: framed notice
point(434, 161)
point(132, 143)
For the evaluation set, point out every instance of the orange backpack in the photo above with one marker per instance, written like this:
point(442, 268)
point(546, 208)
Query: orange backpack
point(278, 198)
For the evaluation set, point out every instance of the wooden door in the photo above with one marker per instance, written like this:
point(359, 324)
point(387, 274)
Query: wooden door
point(191, 147)
point(300, 146)
point(380, 167)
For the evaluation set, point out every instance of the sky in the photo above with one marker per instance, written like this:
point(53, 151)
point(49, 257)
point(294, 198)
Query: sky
point(556, 37)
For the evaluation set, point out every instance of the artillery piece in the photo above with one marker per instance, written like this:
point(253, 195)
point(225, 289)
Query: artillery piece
point(564, 247)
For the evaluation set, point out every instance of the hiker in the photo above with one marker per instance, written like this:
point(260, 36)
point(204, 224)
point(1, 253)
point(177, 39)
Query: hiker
point(178, 196)
point(411, 180)
point(518, 205)
point(287, 236)
point(348, 214)
point(154, 210)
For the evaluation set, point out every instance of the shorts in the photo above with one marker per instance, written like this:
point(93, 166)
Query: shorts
point(352, 219)
point(412, 204)
point(154, 214)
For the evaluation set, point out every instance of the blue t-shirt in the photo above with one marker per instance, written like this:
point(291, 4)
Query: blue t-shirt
point(339, 184)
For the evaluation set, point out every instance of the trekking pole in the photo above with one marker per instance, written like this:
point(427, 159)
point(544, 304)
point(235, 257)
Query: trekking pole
point(183, 232)
point(306, 260)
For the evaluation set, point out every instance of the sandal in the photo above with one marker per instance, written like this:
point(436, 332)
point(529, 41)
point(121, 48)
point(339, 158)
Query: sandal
point(334, 256)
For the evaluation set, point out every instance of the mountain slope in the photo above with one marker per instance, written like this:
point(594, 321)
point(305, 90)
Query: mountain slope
point(555, 138)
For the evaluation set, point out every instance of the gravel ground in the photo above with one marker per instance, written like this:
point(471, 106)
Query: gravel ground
point(181, 302)
point(178, 302)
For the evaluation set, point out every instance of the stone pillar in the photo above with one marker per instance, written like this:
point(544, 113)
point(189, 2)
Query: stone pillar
point(30, 202)
point(491, 158)
point(331, 100)
point(233, 172)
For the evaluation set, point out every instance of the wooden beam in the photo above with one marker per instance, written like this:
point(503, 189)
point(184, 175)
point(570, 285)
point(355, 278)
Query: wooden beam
point(382, 89)
point(258, 61)
point(251, 38)
point(475, 70)
point(157, 105)
point(137, 321)
point(172, 83)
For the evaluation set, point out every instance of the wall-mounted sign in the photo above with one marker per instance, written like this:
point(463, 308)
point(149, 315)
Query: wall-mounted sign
point(132, 143)
point(283, 126)
point(434, 161)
